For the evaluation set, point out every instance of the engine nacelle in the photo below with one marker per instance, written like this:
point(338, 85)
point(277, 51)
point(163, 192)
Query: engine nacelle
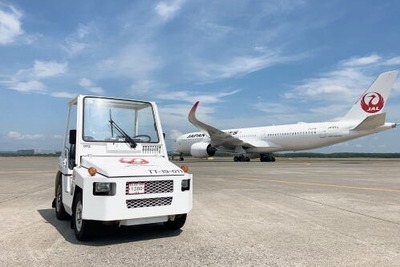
point(202, 150)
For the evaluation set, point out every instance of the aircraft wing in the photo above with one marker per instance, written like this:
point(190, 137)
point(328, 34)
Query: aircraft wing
point(218, 137)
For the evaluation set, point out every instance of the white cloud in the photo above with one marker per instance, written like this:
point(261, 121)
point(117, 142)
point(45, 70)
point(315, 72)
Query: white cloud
point(80, 40)
point(168, 10)
point(361, 61)
point(334, 91)
point(28, 86)
point(90, 86)
point(64, 95)
point(31, 80)
point(47, 69)
point(192, 97)
point(344, 84)
point(96, 90)
point(85, 82)
point(174, 134)
point(19, 136)
point(57, 137)
point(393, 61)
point(151, 58)
point(42, 70)
point(273, 108)
point(135, 61)
point(241, 65)
point(10, 24)
point(143, 86)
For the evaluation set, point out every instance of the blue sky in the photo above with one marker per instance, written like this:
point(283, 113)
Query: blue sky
point(250, 63)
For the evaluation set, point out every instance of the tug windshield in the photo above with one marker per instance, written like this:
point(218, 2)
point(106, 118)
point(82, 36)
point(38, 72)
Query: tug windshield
point(116, 120)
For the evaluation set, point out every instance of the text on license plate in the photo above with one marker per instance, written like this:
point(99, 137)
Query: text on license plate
point(136, 188)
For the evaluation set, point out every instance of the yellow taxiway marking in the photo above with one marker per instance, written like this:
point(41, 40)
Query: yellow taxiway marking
point(323, 185)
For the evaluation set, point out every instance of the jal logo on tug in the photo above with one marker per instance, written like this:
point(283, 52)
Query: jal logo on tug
point(136, 161)
point(372, 102)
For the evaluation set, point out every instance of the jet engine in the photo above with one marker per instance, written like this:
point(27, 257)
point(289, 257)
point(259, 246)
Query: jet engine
point(202, 150)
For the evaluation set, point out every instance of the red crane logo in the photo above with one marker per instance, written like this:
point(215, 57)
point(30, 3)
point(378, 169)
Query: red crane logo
point(136, 161)
point(372, 102)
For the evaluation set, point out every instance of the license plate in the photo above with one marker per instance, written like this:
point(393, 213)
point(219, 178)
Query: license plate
point(136, 188)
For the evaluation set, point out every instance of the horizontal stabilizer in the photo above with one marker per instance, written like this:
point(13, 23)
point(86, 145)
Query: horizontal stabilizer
point(371, 122)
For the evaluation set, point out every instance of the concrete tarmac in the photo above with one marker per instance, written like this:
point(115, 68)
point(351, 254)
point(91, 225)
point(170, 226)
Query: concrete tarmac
point(300, 212)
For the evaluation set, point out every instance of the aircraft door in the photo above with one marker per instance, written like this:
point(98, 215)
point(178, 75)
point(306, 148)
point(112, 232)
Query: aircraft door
point(322, 133)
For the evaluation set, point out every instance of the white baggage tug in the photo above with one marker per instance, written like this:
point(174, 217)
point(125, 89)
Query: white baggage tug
point(114, 168)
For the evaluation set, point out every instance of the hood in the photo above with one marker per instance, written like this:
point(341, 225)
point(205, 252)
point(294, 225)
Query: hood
point(132, 166)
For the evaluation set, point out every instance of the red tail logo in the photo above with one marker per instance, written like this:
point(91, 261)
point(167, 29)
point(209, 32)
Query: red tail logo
point(372, 102)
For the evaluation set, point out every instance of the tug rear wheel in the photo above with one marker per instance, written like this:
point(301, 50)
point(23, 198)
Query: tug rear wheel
point(61, 214)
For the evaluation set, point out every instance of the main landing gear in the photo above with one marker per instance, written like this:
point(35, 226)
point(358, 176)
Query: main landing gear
point(267, 158)
point(263, 158)
point(181, 158)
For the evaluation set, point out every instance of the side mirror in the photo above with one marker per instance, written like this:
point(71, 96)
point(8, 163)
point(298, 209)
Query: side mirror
point(72, 137)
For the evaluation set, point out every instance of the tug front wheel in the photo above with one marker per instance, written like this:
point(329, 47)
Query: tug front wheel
point(82, 228)
point(175, 222)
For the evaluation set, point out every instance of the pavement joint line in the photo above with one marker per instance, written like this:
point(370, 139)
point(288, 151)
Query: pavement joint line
point(27, 172)
point(24, 194)
point(338, 208)
point(325, 204)
point(322, 185)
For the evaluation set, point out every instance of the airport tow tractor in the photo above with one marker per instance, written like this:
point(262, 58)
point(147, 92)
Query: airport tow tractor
point(114, 168)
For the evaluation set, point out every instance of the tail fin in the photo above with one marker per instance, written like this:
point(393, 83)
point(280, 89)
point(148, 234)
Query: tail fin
point(373, 101)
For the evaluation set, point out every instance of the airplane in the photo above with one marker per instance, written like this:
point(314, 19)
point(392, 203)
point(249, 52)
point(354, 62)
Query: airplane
point(365, 117)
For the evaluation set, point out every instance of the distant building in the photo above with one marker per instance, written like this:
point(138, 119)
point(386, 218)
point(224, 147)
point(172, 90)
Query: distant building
point(26, 152)
point(36, 152)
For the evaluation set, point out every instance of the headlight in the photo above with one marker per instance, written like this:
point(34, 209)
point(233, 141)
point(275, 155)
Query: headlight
point(104, 189)
point(185, 185)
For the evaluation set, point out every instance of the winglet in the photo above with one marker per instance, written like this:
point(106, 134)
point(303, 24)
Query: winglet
point(192, 113)
point(201, 125)
point(217, 136)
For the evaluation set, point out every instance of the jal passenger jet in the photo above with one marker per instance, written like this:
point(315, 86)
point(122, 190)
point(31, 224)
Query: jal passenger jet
point(365, 117)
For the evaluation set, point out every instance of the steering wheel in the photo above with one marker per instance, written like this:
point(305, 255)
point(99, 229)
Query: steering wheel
point(140, 136)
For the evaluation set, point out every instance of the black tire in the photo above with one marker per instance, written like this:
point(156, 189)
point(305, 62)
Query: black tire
point(177, 223)
point(82, 228)
point(61, 214)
